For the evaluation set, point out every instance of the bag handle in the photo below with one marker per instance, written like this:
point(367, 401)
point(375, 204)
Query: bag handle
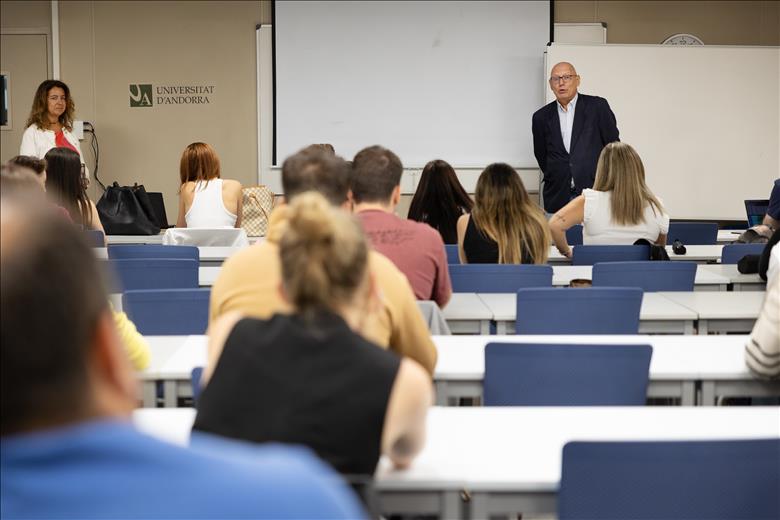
point(252, 196)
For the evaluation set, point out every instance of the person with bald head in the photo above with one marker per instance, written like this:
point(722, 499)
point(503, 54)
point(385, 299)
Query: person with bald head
point(569, 134)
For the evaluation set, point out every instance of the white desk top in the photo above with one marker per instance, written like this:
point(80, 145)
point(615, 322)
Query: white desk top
point(727, 236)
point(675, 357)
point(466, 306)
point(730, 272)
point(654, 307)
point(135, 239)
point(519, 449)
point(720, 304)
point(563, 274)
point(694, 253)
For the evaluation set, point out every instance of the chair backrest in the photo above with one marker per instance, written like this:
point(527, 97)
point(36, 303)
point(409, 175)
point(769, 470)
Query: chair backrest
point(519, 374)
point(195, 377)
point(96, 238)
point(574, 235)
point(498, 278)
point(168, 311)
point(154, 273)
point(733, 253)
point(693, 233)
point(124, 252)
point(712, 480)
point(591, 310)
point(589, 255)
point(648, 276)
point(452, 253)
point(205, 237)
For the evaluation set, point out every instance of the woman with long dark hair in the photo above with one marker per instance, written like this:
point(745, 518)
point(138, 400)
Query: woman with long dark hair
point(440, 200)
point(66, 185)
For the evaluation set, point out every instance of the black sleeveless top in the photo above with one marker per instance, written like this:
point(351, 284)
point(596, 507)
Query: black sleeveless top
point(315, 383)
point(481, 249)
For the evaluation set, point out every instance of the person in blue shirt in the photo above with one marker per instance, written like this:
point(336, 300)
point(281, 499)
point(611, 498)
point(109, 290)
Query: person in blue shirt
point(68, 448)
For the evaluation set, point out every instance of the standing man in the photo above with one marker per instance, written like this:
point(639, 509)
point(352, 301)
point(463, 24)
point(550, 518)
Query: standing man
point(569, 134)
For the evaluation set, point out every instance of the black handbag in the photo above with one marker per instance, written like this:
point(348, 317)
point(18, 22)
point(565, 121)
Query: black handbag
point(126, 210)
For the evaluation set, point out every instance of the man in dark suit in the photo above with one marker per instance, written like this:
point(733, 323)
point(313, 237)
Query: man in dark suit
point(569, 134)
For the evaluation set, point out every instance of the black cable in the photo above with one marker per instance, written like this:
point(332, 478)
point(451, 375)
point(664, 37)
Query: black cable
point(95, 150)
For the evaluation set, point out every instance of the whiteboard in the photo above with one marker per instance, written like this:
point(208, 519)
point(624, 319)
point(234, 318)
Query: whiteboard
point(451, 80)
point(704, 119)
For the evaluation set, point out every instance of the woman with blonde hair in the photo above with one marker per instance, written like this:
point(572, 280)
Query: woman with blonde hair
point(619, 210)
point(505, 225)
point(205, 199)
point(309, 377)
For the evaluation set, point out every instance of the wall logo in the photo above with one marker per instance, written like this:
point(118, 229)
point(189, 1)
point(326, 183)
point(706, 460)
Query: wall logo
point(140, 95)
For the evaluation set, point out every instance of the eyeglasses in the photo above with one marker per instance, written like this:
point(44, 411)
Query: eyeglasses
point(567, 78)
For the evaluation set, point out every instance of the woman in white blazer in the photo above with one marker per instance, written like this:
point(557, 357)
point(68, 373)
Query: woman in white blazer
point(51, 121)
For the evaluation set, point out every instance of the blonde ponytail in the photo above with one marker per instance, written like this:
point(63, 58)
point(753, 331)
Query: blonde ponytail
point(324, 255)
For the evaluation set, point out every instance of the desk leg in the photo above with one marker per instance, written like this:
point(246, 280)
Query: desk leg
point(501, 328)
point(484, 327)
point(170, 397)
point(479, 506)
point(441, 393)
point(688, 327)
point(451, 505)
point(708, 393)
point(149, 394)
point(703, 327)
point(688, 393)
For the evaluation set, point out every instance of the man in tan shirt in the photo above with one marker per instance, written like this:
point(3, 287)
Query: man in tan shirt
point(249, 281)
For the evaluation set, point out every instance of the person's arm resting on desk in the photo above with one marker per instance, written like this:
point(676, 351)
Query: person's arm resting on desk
point(566, 217)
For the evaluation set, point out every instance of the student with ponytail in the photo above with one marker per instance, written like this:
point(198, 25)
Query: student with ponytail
point(310, 377)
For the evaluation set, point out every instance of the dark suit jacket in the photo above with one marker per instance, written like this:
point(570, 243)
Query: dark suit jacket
point(594, 127)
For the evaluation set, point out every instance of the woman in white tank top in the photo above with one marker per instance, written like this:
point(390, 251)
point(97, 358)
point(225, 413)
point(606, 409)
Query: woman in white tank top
point(206, 200)
point(620, 208)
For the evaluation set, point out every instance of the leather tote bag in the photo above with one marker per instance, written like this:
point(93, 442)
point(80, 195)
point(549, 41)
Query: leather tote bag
point(257, 203)
point(126, 210)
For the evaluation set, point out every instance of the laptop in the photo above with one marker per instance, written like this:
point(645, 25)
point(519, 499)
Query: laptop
point(756, 209)
point(158, 206)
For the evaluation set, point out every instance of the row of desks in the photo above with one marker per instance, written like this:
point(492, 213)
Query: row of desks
point(699, 254)
point(661, 312)
point(694, 369)
point(479, 462)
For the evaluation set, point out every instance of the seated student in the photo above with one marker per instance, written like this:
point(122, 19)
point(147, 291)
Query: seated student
point(309, 377)
point(66, 186)
point(32, 164)
point(619, 210)
point(21, 184)
point(249, 280)
point(66, 393)
point(205, 199)
point(762, 351)
point(505, 225)
point(440, 200)
point(416, 249)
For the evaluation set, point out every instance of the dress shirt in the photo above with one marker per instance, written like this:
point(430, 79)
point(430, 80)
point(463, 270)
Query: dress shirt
point(566, 118)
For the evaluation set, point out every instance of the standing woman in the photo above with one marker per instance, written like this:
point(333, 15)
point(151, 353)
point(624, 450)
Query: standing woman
point(205, 200)
point(505, 225)
point(66, 185)
point(50, 122)
point(440, 200)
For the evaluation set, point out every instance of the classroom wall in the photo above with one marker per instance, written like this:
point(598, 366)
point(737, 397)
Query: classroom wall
point(107, 46)
point(715, 22)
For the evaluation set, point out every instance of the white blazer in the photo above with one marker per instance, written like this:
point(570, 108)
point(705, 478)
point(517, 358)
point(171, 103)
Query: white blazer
point(36, 142)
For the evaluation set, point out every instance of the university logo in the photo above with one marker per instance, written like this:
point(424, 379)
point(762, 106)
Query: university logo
point(140, 95)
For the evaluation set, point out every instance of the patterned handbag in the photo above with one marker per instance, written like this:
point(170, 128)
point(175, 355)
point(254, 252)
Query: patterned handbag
point(258, 201)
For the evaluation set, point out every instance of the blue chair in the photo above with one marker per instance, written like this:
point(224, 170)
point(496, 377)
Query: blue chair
point(589, 255)
point(712, 480)
point(574, 235)
point(127, 252)
point(195, 377)
point(96, 238)
point(593, 310)
point(168, 311)
point(733, 253)
point(693, 233)
point(155, 274)
point(648, 276)
point(452, 253)
point(519, 374)
point(498, 278)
